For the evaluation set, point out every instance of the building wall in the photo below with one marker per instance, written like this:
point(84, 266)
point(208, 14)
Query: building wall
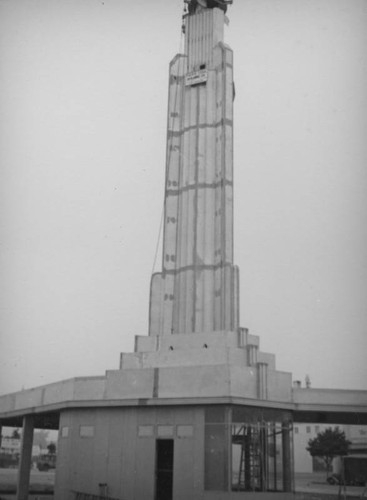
point(357, 434)
point(302, 433)
point(118, 448)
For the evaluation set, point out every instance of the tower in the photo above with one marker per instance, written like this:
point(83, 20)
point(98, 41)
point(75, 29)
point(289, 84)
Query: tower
point(195, 338)
point(197, 290)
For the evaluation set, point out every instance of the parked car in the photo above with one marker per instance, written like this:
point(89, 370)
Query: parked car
point(335, 479)
point(46, 462)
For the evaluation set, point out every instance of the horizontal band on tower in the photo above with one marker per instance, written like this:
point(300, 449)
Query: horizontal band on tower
point(199, 185)
point(221, 123)
point(198, 267)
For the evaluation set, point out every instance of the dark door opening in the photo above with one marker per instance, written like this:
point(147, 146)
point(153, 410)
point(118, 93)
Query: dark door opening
point(164, 469)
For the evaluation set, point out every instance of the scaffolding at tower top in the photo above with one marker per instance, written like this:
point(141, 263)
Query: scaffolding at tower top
point(197, 5)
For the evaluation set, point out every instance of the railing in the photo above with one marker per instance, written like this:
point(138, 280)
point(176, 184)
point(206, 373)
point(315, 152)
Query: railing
point(79, 495)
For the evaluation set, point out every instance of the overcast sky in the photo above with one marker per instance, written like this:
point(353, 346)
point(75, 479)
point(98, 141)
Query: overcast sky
point(83, 107)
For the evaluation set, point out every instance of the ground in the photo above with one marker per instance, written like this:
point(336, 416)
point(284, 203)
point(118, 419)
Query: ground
point(308, 486)
point(313, 486)
point(41, 483)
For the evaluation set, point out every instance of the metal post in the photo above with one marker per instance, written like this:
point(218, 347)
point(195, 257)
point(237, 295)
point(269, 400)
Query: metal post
point(25, 458)
point(287, 459)
point(249, 450)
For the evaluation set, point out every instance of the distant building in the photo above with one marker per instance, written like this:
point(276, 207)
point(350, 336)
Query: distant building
point(302, 433)
point(10, 446)
point(357, 434)
point(10, 451)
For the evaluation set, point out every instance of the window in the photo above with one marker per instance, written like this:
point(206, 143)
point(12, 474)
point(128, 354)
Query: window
point(86, 431)
point(257, 457)
point(146, 431)
point(296, 430)
point(64, 432)
point(165, 430)
point(308, 429)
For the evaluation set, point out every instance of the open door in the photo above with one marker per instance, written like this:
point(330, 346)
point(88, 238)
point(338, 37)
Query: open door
point(164, 469)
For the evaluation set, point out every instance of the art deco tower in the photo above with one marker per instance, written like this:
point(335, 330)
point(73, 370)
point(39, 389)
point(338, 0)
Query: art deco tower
point(195, 344)
point(197, 290)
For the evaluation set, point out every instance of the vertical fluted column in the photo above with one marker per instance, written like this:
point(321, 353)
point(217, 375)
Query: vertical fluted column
point(262, 370)
point(162, 290)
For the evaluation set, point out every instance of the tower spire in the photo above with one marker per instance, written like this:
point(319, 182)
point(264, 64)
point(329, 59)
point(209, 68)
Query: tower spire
point(197, 290)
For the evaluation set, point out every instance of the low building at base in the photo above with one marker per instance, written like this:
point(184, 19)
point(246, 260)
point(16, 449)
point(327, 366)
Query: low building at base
point(190, 432)
point(169, 431)
point(175, 452)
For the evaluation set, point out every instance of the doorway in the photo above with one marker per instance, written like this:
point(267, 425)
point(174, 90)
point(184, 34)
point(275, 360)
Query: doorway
point(164, 469)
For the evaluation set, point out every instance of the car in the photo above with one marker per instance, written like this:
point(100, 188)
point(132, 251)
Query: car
point(334, 479)
point(46, 462)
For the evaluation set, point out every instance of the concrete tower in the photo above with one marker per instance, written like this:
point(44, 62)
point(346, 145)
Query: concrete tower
point(197, 290)
point(196, 346)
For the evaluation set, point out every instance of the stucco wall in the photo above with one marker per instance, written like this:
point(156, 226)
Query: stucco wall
point(118, 456)
point(119, 446)
point(329, 397)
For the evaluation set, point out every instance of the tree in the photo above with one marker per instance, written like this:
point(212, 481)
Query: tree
point(40, 438)
point(328, 444)
point(51, 448)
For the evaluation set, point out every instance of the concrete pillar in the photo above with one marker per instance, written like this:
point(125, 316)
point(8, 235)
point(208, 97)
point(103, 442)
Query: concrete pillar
point(287, 456)
point(252, 351)
point(262, 373)
point(25, 458)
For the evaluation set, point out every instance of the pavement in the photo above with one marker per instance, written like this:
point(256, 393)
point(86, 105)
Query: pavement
point(30, 497)
point(314, 484)
point(41, 484)
point(311, 486)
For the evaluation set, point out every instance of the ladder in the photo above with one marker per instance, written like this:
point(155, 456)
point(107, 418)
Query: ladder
point(251, 466)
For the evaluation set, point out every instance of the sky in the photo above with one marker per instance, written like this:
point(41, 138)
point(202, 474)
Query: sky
point(83, 110)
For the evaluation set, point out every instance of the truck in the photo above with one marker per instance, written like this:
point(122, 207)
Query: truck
point(353, 471)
